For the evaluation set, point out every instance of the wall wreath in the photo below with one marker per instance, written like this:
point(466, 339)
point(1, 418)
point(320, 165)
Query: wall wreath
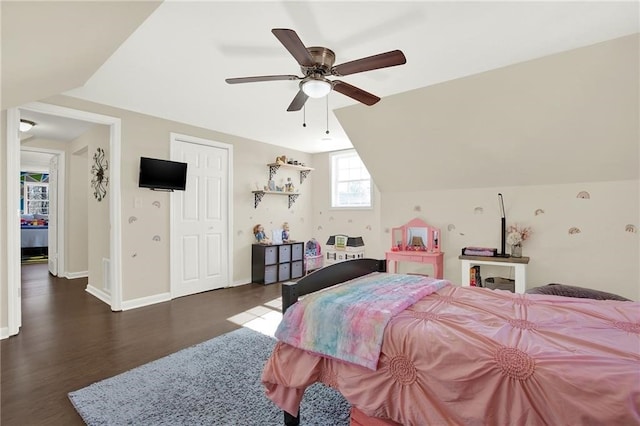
point(99, 181)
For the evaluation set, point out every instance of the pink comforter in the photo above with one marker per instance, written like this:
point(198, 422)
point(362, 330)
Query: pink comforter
point(473, 356)
point(359, 309)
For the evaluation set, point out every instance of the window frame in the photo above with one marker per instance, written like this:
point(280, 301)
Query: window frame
point(333, 160)
point(28, 199)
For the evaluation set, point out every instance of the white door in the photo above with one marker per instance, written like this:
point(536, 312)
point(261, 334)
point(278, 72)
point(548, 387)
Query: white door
point(53, 216)
point(200, 220)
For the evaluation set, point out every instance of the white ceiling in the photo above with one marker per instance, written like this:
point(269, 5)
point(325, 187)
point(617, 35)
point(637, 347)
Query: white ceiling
point(53, 127)
point(174, 65)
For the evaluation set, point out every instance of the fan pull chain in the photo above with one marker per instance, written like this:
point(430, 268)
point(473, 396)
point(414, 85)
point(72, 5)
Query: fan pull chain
point(327, 97)
point(304, 116)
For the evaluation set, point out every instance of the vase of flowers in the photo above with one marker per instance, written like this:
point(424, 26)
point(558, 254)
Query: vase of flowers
point(516, 235)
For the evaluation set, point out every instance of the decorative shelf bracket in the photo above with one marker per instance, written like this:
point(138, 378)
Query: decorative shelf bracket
point(303, 175)
point(273, 168)
point(292, 199)
point(304, 171)
point(257, 198)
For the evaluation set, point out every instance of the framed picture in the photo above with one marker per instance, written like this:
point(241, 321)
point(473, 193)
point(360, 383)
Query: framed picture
point(272, 185)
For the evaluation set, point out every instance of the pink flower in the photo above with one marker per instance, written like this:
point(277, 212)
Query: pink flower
point(516, 234)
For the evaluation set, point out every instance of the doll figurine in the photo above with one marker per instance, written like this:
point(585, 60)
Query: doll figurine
point(285, 232)
point(261, 237)
point(289, 186)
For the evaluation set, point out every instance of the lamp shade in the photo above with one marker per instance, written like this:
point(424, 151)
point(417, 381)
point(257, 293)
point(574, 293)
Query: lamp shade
point(26, 125)
point(316, 88)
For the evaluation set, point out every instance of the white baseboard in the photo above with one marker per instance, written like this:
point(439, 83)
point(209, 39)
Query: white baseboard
point(74, 275)
point(244, 281)
point(145, 301)
point(4, 333)
point(129, 304)
point(100, 294)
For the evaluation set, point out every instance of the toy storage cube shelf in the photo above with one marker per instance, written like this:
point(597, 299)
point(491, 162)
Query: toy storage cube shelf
point(341, 247)
point(275, 263)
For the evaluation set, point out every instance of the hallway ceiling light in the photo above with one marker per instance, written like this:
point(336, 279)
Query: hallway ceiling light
point(26, 125)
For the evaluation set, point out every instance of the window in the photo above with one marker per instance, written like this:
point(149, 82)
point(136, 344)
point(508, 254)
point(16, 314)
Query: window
point(350, 181)
point(36, 198)
point(34, 193)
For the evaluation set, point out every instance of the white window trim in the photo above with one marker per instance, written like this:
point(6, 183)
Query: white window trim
point(26, 198)
point(332, 183)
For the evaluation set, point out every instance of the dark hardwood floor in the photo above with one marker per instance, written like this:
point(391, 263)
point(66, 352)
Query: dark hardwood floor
point(69, 339)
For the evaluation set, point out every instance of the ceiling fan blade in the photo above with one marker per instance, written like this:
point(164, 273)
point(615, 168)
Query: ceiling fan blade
point(382, 60)
point(294, 45)
point(261, 78)
point(298, 102)
point(355, 93)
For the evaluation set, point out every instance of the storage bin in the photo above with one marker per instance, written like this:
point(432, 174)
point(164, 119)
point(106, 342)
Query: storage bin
point(499, 283)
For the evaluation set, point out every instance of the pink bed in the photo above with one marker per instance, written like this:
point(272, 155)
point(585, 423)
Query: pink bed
point(475, 356)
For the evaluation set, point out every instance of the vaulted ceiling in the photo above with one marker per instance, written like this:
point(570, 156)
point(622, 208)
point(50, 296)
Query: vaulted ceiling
point(171, 59)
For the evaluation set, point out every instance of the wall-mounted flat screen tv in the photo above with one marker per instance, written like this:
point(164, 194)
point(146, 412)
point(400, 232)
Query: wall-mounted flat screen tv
point(162, 175)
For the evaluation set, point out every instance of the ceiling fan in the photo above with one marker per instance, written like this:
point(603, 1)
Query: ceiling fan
point(316, 64)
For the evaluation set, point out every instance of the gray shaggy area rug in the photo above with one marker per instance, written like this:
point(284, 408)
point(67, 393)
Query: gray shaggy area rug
point(213, 383)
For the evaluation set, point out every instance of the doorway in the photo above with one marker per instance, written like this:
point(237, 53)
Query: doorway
point(13, 188)
point(43, 169)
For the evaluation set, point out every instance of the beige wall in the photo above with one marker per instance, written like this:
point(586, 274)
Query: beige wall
point(603, 255)
point(250, 170)
point(97, 211)
point(76, 205)
point(567, 118)
point(4, 318)
point(145, 261)
point(539, 132)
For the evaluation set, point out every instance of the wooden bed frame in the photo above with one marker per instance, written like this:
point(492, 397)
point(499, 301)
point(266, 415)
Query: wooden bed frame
point(329, 276)
point(323, 278)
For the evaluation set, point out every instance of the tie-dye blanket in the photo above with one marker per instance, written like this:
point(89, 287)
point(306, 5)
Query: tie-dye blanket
point(347, 321)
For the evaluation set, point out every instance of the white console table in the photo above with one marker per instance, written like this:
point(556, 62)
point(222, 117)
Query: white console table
point(518, 263)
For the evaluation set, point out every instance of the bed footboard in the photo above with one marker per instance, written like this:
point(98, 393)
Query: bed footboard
point(329, 276)
point(323, 278)
point(290, 420)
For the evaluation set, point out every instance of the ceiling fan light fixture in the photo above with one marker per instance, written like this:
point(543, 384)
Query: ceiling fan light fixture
point(26, 125)
point(316, 88)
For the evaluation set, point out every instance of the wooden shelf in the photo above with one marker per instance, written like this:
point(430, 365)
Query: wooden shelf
point(497, 259)
point(257, 196)
point(273, 168)
point(304, 171)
